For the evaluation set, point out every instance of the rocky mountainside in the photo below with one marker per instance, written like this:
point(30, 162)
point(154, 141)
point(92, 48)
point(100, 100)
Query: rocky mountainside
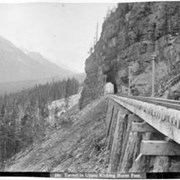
point(17, 65)
point(130, 35)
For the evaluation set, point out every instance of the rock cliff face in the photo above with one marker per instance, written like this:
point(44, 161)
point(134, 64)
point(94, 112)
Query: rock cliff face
point(130, 35)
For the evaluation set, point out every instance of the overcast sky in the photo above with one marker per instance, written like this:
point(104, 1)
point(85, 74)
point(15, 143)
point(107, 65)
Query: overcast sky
point(63, 33)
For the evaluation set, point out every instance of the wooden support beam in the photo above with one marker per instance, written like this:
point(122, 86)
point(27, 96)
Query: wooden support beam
point(109, 113)
point(112, 128)
point(134, 118)
point(147, 136)
point(142, 127)
point(159, 148)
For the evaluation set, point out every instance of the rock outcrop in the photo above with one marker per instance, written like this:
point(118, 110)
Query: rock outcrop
point(130, 35)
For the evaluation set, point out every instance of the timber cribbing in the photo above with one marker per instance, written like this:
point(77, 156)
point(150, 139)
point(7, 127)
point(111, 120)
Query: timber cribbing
point(161, 114)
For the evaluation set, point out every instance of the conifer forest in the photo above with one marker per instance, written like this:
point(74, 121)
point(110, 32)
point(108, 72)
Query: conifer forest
point(23, 115)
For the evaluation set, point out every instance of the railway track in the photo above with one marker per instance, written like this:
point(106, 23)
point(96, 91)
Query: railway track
point(174, 104)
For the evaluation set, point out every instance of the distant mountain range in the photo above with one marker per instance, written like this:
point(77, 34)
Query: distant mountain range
point(16, 65)
point(25, 69)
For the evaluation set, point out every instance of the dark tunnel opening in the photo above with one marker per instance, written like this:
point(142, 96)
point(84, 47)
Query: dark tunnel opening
point(110, 77)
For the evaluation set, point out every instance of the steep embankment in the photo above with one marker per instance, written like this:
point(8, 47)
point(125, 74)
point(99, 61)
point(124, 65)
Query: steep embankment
point(97, 139)
point(77, 144)
point(130, 35)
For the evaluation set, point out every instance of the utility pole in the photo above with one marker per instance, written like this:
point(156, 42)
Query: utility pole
point(153, 75)
point(153, 61)
point(129, 83)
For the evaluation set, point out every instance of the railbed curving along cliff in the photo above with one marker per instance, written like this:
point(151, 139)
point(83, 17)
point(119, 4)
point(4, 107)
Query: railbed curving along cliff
point(129, 36)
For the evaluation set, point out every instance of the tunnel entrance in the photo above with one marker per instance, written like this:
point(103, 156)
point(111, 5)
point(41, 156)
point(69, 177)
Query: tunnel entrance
point(110, 77)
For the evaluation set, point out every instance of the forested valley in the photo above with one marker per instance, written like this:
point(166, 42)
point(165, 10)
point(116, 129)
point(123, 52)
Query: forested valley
point(23, 115)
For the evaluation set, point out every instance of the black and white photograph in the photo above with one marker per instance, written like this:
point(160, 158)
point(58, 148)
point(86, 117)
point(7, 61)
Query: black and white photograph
point(90, 90)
